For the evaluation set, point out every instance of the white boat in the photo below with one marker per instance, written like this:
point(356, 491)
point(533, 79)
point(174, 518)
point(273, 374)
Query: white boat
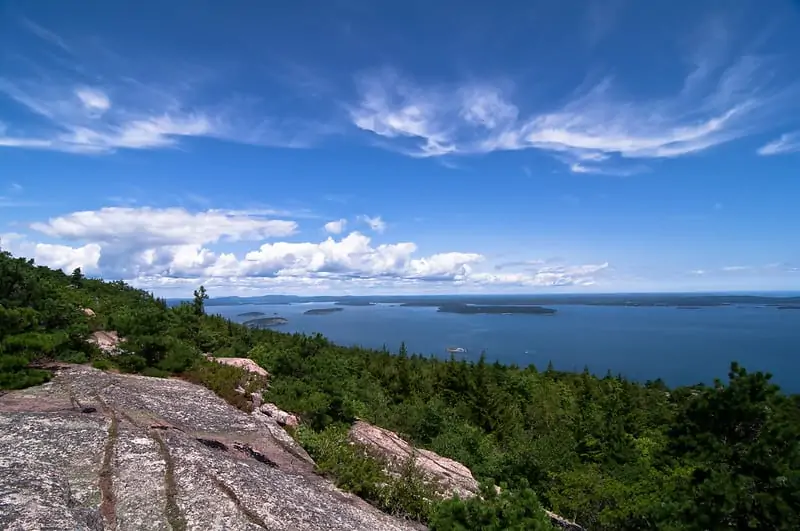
point(456, 350)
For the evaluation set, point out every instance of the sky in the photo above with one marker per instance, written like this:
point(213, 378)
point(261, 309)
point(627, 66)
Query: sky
point(351, 146)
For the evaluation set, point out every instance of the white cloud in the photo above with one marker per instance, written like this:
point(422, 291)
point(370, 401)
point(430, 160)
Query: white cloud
point(68, 258)
point(786, 143)
point(375, 223)
point(592, 125)
point(93, 99)
point(173, 248)
point(137, 227)
point(553, 276)
point(579, 167)
point(736, 268)
point(335, 227)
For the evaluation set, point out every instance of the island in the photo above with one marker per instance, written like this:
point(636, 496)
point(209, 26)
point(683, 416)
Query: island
point(506, 310)
point(322, 311)
point(355, 302)
point(251, 314)
point(789, 307)
point(265, 322)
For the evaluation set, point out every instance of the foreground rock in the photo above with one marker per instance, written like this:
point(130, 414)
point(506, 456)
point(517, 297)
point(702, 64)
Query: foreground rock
point(93, 451)
point(451, 477)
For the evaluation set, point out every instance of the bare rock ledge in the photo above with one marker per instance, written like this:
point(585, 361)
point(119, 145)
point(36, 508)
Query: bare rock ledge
point(93, 451)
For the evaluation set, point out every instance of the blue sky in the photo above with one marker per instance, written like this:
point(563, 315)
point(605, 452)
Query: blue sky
point(412, 147)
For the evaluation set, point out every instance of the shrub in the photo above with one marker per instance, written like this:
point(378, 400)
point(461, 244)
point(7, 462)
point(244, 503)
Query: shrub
point(103, 364)
point(405, 495)
point(15, 374)
point(517, 510)
point(224, 380)
point(179, 359)
point(155, 372)
point(131, 363)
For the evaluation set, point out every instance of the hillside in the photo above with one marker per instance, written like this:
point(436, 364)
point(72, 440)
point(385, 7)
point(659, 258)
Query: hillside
point(606, 452)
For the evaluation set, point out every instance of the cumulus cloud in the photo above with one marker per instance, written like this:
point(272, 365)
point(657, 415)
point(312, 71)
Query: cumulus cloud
point(593, 124)
point(375, 223)
point(165, 226)
point(335, 227)
point(169, 248)
point(786, 143)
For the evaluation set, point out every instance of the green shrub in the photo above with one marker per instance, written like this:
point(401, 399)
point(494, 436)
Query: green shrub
point(74, 357)
point(15, 374)
point(406, 495)
point(155, 372)
point(131, 363)
point(104, 364)
point(517, 510)
point(179, 359)
point(224, 380)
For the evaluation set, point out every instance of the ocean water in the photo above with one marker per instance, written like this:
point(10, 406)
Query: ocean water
point(678, 345)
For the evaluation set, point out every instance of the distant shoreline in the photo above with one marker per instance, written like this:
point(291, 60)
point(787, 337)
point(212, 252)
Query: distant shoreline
point(680, 300)
point(502, 310)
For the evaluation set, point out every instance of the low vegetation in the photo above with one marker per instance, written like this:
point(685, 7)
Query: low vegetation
point(606, 452)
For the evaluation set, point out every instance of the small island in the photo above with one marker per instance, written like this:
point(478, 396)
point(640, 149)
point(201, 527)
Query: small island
point(322, 311)
point(266, 322)
point(505, 310)
point(356, 302)
point(251, 314)
point(789, 307)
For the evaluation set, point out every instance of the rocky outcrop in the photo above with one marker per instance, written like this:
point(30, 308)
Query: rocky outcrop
point(451, 477)
point(561, 522)
point(93, 451)
point(107, 341)
point(281, 417)
point(243, 363)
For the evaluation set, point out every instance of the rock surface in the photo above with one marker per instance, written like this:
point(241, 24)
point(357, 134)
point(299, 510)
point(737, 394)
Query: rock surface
point(92, 451)
point(281, 417)
point(107, 341)
point(243, 363)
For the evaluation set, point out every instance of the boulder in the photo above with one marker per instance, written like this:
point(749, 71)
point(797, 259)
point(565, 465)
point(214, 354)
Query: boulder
point(451, 476)
point(88, 312)
point(107, 341)
point(281, 417)
point(92, 450)
point(243, 363)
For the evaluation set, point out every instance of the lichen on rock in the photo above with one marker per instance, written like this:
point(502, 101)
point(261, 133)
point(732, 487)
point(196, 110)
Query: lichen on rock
point(154, 453)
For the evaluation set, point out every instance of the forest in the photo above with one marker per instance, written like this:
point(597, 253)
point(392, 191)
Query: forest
point(607, 452)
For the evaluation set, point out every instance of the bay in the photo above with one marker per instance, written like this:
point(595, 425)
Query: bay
point(680, 346)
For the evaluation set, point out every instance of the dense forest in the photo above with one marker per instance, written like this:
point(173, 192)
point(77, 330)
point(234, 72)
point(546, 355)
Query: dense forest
point(607, 452)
